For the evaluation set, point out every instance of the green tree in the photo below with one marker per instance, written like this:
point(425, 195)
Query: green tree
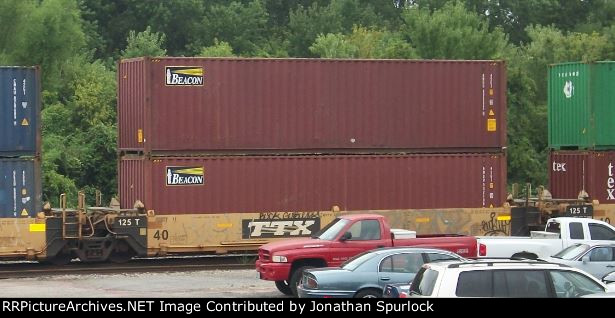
point(49, 35)
point(527, 121)
point(307, 23)
point(334, 46)
point(243, 26)
point(279, 10)
point(601, 15)
point(549, 45)
point(146, 43)
point(373, 43)
point(515, 16)
point(13, 20)
point(98, 161)
point(61, 164)
point(219, 49)
point(79, 136)
point(452, 32)
point(362, 43)
point(180, 21)
point(56, 120)
point(340, 16)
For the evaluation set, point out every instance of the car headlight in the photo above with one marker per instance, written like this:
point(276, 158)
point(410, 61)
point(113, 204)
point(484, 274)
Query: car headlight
point(279, 259)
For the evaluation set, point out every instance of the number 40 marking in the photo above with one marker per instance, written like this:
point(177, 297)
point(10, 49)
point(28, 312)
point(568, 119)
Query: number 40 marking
point(164, 235)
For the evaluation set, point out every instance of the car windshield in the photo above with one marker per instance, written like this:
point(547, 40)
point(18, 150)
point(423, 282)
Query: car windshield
point(572, 251)
point(331, 231)
point(357, 260)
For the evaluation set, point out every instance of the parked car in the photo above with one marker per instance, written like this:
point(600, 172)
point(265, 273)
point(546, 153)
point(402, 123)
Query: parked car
point(365, 275)
point(600, 295)
point(597, 259)
point(503, 278)
point(609, 280)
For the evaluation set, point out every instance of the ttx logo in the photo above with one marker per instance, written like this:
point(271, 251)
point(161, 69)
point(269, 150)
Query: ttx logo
point(279, 228)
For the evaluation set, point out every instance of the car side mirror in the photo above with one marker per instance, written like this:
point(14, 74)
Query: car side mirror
point(609, 278)
point(346, 236)
point(585, 259)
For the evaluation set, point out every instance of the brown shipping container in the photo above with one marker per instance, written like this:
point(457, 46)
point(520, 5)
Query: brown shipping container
point(568, 173)
point(572, 171)
point(227, 184)
point(310, 105)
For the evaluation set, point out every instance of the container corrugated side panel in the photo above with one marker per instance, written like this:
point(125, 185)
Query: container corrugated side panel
point(569, 106)
point(569, 173)
point(132, 176)
point(316, 183)
point(502, 104)
point(132, 102)
point(20, 105)
point(603, 177)
point(603, 102)
point(321, 105)
point(20, 187)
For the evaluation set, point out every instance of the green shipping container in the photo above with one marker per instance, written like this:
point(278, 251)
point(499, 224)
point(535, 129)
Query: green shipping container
point(582, 106)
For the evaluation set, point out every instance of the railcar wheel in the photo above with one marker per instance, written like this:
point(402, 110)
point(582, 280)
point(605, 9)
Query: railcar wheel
point(122, 253)
point(62, 258)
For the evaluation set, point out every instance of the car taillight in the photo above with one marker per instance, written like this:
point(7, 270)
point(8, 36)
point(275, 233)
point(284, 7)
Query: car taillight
point(403, 295)
point(482, 250)
point(310, 283)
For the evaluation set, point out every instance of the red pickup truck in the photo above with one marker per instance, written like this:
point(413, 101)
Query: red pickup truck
point(345, 237)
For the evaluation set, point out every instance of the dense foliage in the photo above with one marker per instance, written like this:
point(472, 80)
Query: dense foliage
point(78, 43)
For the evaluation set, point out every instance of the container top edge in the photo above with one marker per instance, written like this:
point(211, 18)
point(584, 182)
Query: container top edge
point(308, 59)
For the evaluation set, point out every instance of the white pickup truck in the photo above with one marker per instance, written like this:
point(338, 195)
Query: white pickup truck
point(559, 233)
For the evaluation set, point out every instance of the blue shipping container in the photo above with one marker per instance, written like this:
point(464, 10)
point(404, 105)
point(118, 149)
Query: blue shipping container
point(20, 187)
point(20, 107)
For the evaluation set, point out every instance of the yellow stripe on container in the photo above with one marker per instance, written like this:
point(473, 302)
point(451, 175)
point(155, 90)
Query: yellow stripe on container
point(37, 227)
point(422, 220)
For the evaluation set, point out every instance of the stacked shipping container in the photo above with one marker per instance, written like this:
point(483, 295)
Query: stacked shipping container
point(592, 171)
point(203, 135)
point(581, 106)
point(213, 184)
point(581, 134)
point(20, 105)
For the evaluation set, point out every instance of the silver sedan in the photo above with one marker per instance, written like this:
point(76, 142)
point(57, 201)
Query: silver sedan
point(597, 259)
point(365, 275)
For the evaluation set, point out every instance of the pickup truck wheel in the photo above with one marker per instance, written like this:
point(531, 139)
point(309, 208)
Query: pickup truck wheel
point(295, 278)
point(283, 287)
point(369, 293)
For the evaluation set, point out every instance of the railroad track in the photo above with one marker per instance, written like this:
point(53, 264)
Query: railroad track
point(142, 265)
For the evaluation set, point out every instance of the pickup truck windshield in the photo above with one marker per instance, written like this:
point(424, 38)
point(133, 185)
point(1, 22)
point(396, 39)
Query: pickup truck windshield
point(330, 232)
point(572, 251)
